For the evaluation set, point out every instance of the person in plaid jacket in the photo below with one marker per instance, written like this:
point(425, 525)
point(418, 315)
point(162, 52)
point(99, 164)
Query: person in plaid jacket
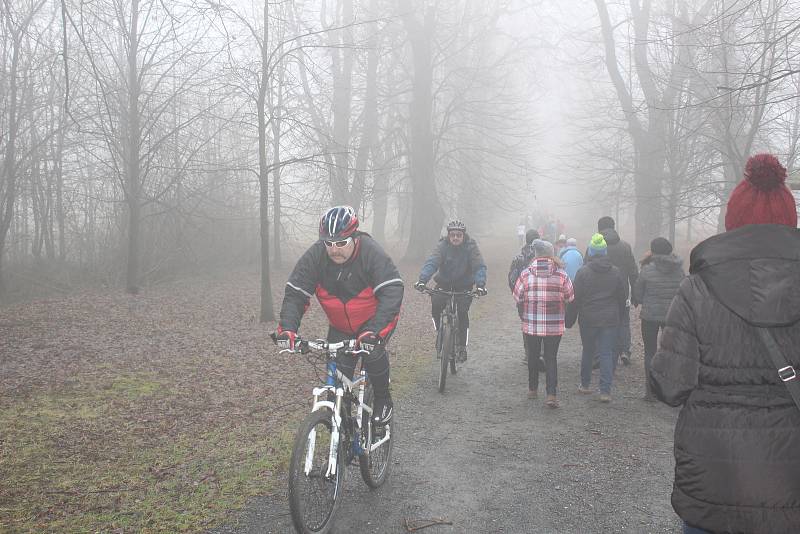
point(542, 291)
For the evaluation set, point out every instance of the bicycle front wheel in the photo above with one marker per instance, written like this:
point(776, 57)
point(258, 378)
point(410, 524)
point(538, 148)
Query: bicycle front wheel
point(314, 494)
point(446, 353)
point(376, 463)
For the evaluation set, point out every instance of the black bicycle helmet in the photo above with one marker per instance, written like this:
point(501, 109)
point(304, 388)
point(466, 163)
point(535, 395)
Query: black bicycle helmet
point(338, 222)
point(455, 224)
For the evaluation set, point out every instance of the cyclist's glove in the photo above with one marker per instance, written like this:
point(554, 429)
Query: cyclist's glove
point(368, 341)
point(285, 339)
point(420, 286)
point(481, 291)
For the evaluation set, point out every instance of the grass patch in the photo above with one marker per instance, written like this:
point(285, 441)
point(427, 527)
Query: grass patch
point(90, 458)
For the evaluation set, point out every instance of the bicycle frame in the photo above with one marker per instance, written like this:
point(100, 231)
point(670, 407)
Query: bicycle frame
point(450, 309)
point(337, 383)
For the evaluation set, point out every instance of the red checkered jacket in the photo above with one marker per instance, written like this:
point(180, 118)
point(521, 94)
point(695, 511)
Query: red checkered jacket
point(541, 292)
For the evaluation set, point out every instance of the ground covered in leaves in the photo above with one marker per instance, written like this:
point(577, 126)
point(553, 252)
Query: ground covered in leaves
point(172, 411)
point(160, 412)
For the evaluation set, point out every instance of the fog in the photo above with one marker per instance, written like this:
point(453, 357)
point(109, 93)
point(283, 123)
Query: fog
point(145, 140)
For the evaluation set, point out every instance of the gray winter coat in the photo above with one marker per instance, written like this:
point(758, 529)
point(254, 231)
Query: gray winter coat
point(737, 437)
point(656, 285)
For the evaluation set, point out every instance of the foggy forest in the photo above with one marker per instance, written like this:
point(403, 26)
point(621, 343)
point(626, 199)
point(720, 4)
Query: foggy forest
point(145, 138)
point(150, 149)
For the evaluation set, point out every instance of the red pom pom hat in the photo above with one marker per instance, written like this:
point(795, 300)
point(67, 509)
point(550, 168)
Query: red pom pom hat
point(762, 197)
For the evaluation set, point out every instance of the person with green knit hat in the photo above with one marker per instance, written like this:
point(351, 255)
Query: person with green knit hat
point(597, 245)
point(600, 298)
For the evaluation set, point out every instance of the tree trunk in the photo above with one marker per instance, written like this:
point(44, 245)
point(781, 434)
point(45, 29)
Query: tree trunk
point(276, 173)
point(426, 211)
point(342, 56)
point(380, 200)
point(9, 166)
point(267, 313)
point(369, 134)
point(132, 152)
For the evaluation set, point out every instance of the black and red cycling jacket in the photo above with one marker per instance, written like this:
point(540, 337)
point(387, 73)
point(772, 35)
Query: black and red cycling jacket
point(360, 295)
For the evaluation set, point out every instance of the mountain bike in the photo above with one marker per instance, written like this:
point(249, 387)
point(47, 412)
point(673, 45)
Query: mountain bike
point(448, 330)
point(338, 430)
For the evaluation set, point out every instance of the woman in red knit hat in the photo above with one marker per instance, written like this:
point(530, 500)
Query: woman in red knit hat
point(737, 439)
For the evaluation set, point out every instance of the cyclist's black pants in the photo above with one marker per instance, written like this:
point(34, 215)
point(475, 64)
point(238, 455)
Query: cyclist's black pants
point(463, 302)
point(376, 363)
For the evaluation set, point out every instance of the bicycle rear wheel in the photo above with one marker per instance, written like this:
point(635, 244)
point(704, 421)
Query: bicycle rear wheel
point(446, 353)
point(376, 463)
point(314, 497)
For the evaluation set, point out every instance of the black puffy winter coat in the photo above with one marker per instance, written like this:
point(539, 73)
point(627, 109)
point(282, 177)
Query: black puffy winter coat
point(600, 293)
point(737, 439)
point(656, 286)
point(621, 256)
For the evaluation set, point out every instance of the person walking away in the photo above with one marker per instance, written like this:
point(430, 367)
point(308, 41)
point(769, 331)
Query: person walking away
point(541, 292)
point(571, 257)
point(737, 435)
point(600, 296)
point(657, 284)
point(360, 291)
point(621, 256)
point(518, 264)
point(561, 242)
point(521, 231)
point(458, 266)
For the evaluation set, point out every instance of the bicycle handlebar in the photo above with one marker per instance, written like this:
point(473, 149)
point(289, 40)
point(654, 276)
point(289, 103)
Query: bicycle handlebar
point(439, 291)
point(304, 346)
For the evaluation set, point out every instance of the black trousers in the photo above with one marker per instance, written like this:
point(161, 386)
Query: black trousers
point(533, 347)
point(463, 302)
point(650, 339)
point(376, 363)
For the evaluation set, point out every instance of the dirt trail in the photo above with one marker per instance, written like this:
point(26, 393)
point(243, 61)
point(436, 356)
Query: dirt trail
point(488, 459)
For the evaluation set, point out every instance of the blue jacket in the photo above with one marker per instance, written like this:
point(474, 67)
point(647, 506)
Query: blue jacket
point(457, 268)
point(573, 260)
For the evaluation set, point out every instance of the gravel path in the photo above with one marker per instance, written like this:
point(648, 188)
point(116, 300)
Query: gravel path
point(487, 459)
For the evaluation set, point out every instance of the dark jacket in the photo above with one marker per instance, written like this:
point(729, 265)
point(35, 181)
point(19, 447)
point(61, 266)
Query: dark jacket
point(456, 268)
point(656, 286)
point(519, 264)
point(737, 438)
point(621, 256)
point(362, 294)
point(600, 293)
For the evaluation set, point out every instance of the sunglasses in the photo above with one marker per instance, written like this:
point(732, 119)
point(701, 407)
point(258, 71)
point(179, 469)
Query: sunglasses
point(456, 234)
point(338, 244)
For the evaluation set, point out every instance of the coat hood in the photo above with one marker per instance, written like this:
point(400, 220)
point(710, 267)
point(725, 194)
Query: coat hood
point(600, 264)
point(611, 236)
point(754, 271)
point(666, 263)
point(542, 267)
point(566, 249)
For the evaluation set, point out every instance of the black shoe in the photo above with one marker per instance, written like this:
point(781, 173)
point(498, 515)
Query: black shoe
point(626, 358)
point(461, 356)
point(382, 415)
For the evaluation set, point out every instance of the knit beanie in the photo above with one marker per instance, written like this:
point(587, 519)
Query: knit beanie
point(530, 235)
point(597, 246)
point(604, 223)
point(762, 196)
point(660, 245)
point(543, 248)
point(572, 242)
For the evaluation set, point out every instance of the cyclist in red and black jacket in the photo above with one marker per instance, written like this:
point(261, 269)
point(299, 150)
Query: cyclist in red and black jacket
point(360, 290)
